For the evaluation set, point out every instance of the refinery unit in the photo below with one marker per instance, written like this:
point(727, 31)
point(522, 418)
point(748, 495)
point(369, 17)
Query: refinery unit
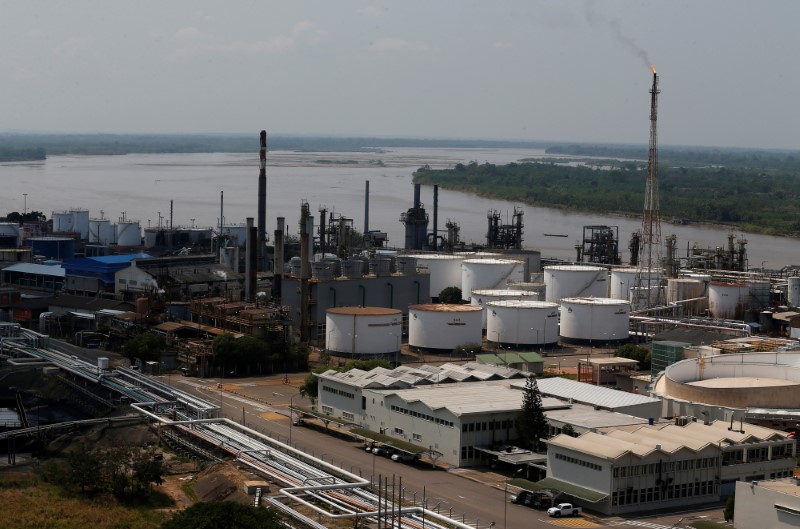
point(507, 291)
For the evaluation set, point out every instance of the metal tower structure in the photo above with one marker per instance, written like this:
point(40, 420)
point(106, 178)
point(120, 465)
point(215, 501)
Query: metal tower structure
point(648, 291)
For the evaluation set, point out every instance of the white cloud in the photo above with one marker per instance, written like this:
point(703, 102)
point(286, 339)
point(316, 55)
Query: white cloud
point(276, 44)
point(503, 44)
point(369, 11)
point(189, 34)
point(302, 27)
point(73, 46)
point(397, 44)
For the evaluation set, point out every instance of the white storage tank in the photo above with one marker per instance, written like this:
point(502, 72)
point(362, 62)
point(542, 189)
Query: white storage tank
point(102, 363)
point(531, 286)
point(759, 294)
point(62, 221)
point(197, 235)
point(101, 231)
point(522, 322)
point(356, 331)
point(483, 296)
point(442, 326)
point(11, 231)
point(569, 281)
point(794, 292)
point(683, 288)
point(80, 222)
point(236, 234)
point(129, 233)
point(727, 301)
point(595, 320)
point(624, 279)
point(444, 270)
point(489, 273)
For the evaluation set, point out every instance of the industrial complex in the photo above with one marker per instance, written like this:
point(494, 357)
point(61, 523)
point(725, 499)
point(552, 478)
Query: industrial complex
point(717, 404)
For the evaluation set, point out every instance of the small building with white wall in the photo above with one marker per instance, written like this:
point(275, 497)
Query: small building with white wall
point(664, 466)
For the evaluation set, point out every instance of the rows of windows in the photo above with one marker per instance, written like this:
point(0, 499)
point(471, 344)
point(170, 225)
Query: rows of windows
point(581, 462)
point(666, 466)
point(348, 416)
point(327, 410)
point(423, 416)
point(338, 392)
point(469, 452)
point(666, 492)
point(486, 426)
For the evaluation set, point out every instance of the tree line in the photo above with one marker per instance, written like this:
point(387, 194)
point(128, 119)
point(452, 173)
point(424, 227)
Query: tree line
point(752, 200)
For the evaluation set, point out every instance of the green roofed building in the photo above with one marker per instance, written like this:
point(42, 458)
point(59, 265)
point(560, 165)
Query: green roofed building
point(666, 353)
point(530, 362)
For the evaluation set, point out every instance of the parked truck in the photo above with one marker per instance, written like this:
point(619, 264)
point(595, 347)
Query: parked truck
point(564, 509)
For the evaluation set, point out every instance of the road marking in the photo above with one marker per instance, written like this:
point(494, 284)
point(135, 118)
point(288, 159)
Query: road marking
point(649, 525)
point(272, 416)
point(572, 522)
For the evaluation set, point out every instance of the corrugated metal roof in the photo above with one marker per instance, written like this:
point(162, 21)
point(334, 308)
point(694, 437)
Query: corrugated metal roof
point(42, 270)
point(404, 376)
point(470, 397)
point(116, 259)
point(592, 395)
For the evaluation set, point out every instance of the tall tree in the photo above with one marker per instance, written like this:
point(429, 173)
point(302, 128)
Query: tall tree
point(532, 427)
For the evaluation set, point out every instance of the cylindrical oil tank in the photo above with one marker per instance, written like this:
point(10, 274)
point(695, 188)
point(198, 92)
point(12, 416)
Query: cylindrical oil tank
point(794, 292)
point(80, 222)
point(531, 286)
point(479, 274)
point(569, 281)
point(352, 268)
point(129, 233)
point(444, 270)
point(236, 234)
point(727, 301)
point(62, 221)
point(295, 266)
point(58, 248)
point(596, 320)
point(479, 255)
point(101, 231)
point(360, 331)
point(522, 322)
point(102, 363)
point(481, 297)
point(335, 265)
point(380, 266)
point(758, 297)
point(11, 231)
point(625, 278)
point(197, 235)
point(406, 264)
point(142, 306)
point(683, 288)
point(229, 257)
point(322, 270)
point(151, 237)
point(442, 326)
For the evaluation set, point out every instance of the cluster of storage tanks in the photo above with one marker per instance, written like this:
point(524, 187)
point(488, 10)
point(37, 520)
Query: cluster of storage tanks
point(574, 303)
point(97, 231)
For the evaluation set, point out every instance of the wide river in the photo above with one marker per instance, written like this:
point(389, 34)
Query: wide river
point(142, 185)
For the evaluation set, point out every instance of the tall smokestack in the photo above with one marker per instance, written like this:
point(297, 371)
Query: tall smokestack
point(416, 196)
point(306, 227)
point(366, 209)
point(262, 202)
point(277, 280)
point(250, 262)
point(221, 223)
point(435, 217)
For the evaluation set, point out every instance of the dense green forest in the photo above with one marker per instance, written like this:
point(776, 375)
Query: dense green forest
point(754, 201)
point(21, 154)
point(762, 159)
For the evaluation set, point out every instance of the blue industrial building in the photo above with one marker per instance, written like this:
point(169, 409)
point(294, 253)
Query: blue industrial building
point(92, 275)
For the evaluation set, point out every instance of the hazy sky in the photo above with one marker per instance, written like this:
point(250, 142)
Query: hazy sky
point(515, 69)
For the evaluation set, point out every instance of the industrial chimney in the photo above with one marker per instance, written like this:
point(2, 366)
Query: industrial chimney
point(262, 203)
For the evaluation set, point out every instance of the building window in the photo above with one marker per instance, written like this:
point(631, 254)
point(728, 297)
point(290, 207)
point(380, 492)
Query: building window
point(327, 410)
point(122, 281)
point(416, 437)
point(348, 416)
point(398, 431)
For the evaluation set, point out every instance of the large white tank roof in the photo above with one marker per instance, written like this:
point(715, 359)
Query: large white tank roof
point(364, 311)
point(444, 307)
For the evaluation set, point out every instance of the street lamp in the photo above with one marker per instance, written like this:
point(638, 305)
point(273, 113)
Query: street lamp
point(25, 212)
point(505, 498)
point(291, 419)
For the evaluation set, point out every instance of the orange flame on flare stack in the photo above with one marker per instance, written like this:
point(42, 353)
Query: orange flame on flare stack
point(653, 68)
